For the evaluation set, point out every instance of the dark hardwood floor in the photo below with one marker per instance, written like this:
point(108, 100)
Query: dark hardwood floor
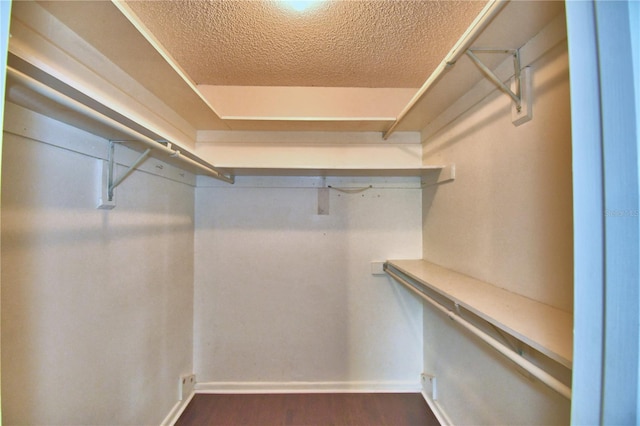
point(308, 409)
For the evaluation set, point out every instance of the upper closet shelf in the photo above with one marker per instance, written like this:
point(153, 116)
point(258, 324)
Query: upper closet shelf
point(335, 171)
point(131, 71)
point(27, 91)
point(526, 27)
point(35, 95)
point(543, 327)
point(309, 124)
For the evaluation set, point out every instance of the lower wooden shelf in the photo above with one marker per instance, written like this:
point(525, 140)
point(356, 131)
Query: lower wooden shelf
point(543, 327)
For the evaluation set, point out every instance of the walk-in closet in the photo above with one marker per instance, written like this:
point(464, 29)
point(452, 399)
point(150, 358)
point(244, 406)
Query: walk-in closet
point(436, 198)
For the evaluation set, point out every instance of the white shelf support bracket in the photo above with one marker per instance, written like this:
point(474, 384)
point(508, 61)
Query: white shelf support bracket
point(430, 382)
point(520, 92)
point(447, 174)
point(109, 183)
point(130, 170)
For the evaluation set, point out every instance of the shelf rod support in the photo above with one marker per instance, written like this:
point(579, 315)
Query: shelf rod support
point(113, 185)
point(517, 98)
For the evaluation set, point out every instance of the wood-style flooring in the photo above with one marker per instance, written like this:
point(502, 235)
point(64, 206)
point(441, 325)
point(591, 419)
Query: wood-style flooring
point(308, 409)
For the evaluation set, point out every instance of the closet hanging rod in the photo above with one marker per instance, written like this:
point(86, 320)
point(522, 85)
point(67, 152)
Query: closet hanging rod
point(64, 100)
point(530, 367)
point(483, 19)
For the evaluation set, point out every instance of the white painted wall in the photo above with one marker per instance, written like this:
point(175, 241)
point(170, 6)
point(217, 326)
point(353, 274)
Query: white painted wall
point(283, 294)
point(507, 220)
point(97, 305)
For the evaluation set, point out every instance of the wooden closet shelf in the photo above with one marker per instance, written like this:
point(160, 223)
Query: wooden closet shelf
point(543, 327)
point(333, 171)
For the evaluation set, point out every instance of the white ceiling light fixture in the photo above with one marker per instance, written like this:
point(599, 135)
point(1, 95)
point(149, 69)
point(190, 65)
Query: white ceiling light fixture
point(299, 5)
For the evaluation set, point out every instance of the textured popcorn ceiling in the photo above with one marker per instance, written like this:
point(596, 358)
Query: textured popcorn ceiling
point(334, 44)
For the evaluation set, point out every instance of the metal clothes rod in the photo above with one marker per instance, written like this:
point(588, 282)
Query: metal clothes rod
point(535, 371)
point(79, 107)
point(477, 26)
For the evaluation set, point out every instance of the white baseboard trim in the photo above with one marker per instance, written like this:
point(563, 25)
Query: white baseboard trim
point(177, 411)
point(442, 417)
point(307, 387)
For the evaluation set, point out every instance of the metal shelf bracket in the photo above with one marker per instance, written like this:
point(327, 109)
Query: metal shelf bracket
point(517, 98)
point(110, 183)
point(520, 92)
